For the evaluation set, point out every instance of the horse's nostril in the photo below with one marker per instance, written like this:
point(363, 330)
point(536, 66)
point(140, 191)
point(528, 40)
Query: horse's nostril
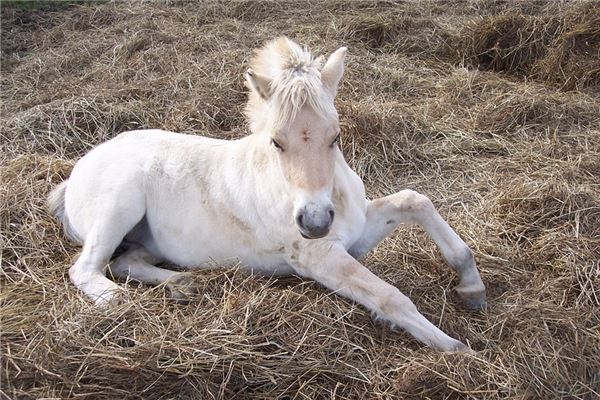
point(299, 220)
point(331, 215)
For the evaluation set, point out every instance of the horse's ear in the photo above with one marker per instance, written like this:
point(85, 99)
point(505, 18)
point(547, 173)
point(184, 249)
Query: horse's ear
point(319, 61)
point(333, 70)
point(259, 83)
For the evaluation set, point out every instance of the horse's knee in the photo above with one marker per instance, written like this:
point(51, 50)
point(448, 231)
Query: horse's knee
point(415, 202)
point(395, 301)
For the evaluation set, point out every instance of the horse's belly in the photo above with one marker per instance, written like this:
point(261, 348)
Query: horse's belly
point(196, 238)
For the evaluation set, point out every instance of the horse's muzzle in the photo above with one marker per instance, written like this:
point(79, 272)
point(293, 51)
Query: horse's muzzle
point(313, 224)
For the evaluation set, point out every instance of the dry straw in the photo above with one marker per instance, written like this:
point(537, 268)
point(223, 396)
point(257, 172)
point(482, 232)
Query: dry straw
point(491, 108)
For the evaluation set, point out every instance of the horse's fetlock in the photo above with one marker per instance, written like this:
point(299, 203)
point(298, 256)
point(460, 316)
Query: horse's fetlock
point(463, 259)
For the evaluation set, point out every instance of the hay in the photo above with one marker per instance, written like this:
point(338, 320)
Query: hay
point(572, 60)
point(389, 32)
point(550, 43)
point(459, 101)
point(508, 42)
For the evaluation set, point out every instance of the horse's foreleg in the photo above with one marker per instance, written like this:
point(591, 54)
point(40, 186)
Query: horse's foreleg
point(331, 266)
point(407, 206)
point(139, 264)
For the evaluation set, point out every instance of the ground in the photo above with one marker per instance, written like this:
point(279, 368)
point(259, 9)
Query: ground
point(491, 108)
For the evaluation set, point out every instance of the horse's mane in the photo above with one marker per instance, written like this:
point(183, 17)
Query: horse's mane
point(295, 81)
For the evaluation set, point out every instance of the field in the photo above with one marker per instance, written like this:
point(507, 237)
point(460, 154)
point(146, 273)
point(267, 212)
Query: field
point(491, 108)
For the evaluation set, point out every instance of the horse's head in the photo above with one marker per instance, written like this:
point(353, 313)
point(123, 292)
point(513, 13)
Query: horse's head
point(292, 106)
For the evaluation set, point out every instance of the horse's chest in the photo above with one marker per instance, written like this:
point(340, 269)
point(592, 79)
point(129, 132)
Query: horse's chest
point(350, 211)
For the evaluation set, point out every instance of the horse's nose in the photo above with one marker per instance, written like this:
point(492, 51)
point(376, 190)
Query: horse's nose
point(314, 223)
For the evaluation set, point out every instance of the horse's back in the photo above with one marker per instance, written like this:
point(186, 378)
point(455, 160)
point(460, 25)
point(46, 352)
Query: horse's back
point(161, 140)
point(143, 150)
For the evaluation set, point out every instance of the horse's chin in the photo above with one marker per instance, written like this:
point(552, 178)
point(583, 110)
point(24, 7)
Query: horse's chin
point(310, 237)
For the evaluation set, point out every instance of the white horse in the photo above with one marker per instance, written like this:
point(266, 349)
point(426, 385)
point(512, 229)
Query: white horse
point(279, 201)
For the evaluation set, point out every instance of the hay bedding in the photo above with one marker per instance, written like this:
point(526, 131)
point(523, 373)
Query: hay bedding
point(491, 108)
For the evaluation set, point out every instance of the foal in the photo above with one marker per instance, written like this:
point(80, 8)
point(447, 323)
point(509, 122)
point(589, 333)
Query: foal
point(280, 201)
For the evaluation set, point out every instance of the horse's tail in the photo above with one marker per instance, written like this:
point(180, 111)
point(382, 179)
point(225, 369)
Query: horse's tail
point(56, 205)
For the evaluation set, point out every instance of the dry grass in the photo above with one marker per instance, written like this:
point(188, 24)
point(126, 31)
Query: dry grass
point(507, 148)
point(556, 43)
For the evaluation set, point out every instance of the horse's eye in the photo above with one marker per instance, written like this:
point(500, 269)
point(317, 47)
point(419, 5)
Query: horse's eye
point(336, 140)
point(277, 145)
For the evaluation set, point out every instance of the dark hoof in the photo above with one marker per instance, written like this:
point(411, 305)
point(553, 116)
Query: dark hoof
point(473, 297)
point(476, 304)
point(182, 287)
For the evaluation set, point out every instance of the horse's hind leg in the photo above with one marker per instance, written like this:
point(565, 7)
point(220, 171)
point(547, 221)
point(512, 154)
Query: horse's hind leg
point(88, 272)
point(103, 216)
point(407, 206)
point(139, 264)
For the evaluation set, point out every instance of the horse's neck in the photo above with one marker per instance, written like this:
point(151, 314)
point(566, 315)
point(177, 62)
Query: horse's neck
point(254, 171)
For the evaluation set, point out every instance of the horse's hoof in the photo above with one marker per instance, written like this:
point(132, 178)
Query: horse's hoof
point(182, 287)
point(111, 298)
point(473, 297)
